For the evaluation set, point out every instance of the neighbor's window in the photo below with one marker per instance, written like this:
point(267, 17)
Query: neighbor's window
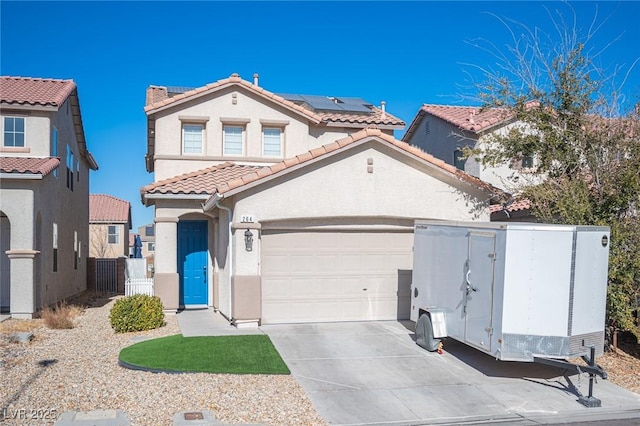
point(233, 140)
point(148, 231)
point(458, 159)
point(75, 249)
point(13, 132)
point(272, 142)
point(70, 165)
point(114, 234)
point(151, 246)
point(527, 161)
point(55, 247)
point(54, 148)
point(192, 137)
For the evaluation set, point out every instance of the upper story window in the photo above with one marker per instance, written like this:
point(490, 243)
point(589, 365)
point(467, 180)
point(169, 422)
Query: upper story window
point(271, 142)
point(70, 165)
point(151, 246)
point(192, 138)
point(13, 132)
point(458, 159)
point(233, 140)
point(54, 148)
point(113, 234)
point(149, 231)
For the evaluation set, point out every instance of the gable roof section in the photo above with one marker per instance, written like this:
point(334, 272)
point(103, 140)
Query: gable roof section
point(229, 178)
point(238, 184)
point(28, 166)
point(160, 97)
point(468, 118)
point(109, 209)
point(35, 91)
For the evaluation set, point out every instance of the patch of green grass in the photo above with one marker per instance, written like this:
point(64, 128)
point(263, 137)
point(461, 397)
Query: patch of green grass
point(253, 354)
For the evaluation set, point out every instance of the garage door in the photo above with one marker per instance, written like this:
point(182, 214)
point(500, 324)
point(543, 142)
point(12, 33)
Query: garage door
point(335, 276)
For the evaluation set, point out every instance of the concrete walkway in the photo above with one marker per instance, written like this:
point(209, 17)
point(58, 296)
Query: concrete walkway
point(4, 317)
point(208, 322)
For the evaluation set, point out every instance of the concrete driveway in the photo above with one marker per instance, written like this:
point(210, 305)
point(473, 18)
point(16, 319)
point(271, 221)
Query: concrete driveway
point(374, 373)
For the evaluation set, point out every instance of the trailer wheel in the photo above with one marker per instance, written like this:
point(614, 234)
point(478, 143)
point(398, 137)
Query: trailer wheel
point(424, 334)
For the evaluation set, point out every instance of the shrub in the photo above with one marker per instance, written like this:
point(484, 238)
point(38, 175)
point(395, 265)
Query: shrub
point(136, 313)
point(60, 316)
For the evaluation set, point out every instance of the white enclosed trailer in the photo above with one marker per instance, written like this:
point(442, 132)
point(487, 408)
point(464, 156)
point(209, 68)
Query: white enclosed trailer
point(517, 291)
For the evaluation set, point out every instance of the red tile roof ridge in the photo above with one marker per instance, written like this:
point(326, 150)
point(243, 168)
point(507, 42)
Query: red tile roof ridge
point(29, 165)
point(187, 175)
point(35, 91)
point(233, 80)
point(108, 196)
point(518, 205)
point(475, 118)
point(105, 208)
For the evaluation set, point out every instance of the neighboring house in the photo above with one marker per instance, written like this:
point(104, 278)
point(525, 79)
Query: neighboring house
point(109, 225)
point(445, 131)
point(44, 194)
point(273, 209)
point(148, 238)
point(132, 244)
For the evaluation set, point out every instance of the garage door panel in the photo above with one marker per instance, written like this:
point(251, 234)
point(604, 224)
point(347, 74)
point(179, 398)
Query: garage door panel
point(276, 288)
point(335, 276)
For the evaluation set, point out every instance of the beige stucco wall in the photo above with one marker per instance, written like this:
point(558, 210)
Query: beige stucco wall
point(36, 134)
point(298, 136)
point(342, 186)
point(99, 245)
point(33, 206)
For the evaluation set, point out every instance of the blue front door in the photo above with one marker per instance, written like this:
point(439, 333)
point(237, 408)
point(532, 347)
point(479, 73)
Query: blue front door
point(192, 262)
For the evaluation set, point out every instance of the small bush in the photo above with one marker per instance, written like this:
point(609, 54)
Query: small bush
point(136, 313)
point(60, 316)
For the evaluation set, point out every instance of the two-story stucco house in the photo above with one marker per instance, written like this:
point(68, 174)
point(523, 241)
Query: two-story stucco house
point(290, 208)
point(444, 131)
point(44, 194)
point(109, 225)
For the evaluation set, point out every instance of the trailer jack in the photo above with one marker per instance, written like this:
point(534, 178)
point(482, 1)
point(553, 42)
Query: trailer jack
point(592, 368)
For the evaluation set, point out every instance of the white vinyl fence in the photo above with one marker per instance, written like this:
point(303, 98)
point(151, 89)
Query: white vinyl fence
point(138, 286)
point(136, 281)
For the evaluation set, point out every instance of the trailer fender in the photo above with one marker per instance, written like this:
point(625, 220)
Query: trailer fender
point(424, 333)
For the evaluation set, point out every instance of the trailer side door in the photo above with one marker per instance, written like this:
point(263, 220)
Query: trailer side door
point(479, 289)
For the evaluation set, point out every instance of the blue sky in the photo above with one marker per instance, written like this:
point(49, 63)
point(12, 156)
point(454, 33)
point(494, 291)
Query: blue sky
point(405, 53)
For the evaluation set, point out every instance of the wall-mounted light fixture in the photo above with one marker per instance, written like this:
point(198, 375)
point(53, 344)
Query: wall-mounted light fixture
point(248, 240)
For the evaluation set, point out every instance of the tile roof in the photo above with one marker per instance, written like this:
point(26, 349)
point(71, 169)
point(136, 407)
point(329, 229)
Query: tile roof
point(519, 205)
point(26, 165)
point(201, 182)
point(158, 98)
point(108, 209)
point(229, 176)
point(35, 91)
point(375, 117)
point(473, 119)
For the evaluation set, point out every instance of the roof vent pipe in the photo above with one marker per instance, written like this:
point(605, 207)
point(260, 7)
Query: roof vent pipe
point(255, 79)
point(383, 104)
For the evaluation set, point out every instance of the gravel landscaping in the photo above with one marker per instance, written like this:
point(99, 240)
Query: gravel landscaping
point(77, 369)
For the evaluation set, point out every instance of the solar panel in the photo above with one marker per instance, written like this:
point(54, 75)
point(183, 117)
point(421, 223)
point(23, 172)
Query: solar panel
point(324, 103)
point(178, 89)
